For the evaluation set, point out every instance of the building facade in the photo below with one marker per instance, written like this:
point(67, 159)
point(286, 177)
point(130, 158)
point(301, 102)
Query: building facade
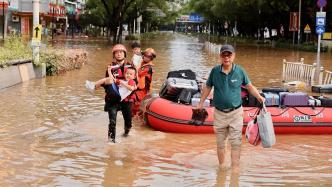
point(53, 15)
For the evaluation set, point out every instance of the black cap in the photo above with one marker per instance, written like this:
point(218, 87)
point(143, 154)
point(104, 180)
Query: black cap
point(135, 44)
point(228, 48)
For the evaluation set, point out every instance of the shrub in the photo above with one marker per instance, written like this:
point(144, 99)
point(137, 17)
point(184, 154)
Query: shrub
point(14, 49)
point(131, 37)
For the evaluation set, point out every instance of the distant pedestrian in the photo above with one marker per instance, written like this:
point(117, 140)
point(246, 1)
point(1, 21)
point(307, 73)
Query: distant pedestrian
point(227, 79)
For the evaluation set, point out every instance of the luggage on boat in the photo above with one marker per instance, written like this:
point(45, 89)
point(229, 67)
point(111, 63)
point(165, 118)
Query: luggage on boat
point(183, 74)
point(172, 88)
point(314, 102)
point(266, 128)
point(195, 101)
point(327, 88)
point(294, 99)
point(252, 101)
point(325, 102)
point(274, 90)
point(271, 99)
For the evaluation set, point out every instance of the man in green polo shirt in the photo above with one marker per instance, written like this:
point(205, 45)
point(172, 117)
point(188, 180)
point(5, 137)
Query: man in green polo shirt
point(227, 79)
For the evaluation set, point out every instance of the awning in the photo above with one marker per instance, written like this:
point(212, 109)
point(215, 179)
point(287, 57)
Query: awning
point(40, 14)
point(2, 4)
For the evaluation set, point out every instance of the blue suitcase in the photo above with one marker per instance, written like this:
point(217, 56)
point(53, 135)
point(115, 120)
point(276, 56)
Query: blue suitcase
point(271, 99)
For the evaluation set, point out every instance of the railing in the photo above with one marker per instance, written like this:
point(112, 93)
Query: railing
point(298, 71)
point(328, 77)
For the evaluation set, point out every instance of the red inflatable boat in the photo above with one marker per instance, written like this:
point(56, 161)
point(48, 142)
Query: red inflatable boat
point(168, 116)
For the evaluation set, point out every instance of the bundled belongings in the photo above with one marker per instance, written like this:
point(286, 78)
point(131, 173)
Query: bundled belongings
point(325, 101)
point(252, 101)
point(195, 101)
point(183, 74)
point(314, 101)
point(274, 90)
point(198, 116)
point(266, 128)
point(327, 88)
point(252, 131)
point(176, 82)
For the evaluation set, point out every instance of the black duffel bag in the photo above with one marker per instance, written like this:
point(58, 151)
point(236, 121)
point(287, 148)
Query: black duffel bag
point(184, 74)
point(275, 90)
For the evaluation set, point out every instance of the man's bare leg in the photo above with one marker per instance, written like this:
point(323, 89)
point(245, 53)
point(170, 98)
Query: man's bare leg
point(235, 157)
point(221, 159)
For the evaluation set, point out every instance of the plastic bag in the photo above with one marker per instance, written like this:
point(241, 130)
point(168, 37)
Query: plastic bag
point(252, 133)
point(266, 128)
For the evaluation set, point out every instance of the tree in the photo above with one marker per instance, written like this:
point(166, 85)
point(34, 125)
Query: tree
point(113, 13)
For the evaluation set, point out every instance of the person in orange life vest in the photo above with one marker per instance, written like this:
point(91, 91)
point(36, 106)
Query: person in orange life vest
point(145, 72)
point(119, 65)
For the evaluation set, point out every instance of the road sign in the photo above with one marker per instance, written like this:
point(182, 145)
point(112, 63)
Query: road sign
point(321, 3)
point(320, 18)
point(293, 21)
point(307, 29)
point(195, 17)
point(37, 30)
point(320, 14)
point(320, 21)
point(320, 30)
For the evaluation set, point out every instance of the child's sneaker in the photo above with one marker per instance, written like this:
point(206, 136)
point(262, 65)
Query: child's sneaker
point(90, 85)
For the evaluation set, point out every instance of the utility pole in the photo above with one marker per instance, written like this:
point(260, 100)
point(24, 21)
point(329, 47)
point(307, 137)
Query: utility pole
point(36, 41)
point(299, 29)
point(3, 14)
point(53, 17)
point(320, 29)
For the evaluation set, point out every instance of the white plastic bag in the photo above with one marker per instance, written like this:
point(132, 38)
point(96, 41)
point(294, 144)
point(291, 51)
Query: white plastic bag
point(266, 129)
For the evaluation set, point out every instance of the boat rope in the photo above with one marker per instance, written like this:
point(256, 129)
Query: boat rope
point(174, 120)
point(281, 113)
point(309, 114)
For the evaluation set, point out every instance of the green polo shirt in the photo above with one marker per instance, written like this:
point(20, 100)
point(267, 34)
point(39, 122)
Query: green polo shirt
point(227, 87)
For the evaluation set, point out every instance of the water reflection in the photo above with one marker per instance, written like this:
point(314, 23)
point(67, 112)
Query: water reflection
point(53, 131)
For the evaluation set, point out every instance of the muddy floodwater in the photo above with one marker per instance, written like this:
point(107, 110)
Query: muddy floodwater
point(53, 131)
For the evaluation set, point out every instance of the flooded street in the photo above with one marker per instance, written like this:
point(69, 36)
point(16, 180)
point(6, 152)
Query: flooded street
point(53, 131)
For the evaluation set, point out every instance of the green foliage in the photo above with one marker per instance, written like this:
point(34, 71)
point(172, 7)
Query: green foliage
point(14, 48)
point(52, 62)
point(94, 31)
point(59, 61)
point(131, 37)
